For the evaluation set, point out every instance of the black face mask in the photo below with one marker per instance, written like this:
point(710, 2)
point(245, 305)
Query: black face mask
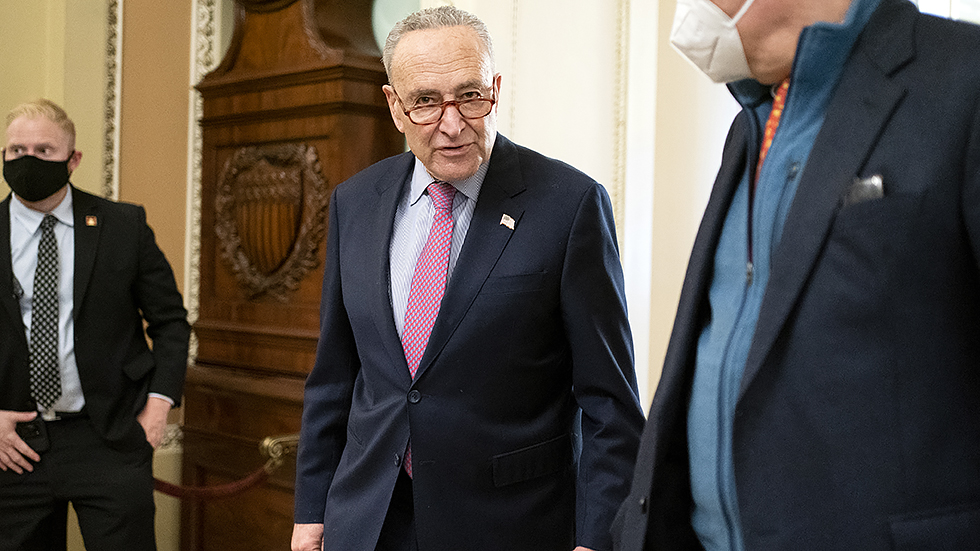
point(33, 179)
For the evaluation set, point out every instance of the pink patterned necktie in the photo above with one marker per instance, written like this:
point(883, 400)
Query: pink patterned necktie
point(428, 283)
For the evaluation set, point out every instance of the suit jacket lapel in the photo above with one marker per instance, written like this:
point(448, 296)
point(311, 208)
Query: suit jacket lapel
point(8, 300)
point(691, 310)
point(88, 228)
point(485, 241)
point(862, 104)
point(380, 226)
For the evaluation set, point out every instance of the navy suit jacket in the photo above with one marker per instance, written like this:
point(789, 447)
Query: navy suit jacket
point(121, 279)
point(858, 419)
point(532, 329)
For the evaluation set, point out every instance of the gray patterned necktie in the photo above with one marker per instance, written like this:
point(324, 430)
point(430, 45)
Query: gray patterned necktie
point(45, 374)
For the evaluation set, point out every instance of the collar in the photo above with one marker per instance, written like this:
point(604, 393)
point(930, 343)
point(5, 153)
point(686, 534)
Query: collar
point(470, 187)
point(31, 219)
point(821, 52)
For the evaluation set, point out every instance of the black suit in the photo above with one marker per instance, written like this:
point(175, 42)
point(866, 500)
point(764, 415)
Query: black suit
point(121, 279)
point(858, 417)
point(532, 327)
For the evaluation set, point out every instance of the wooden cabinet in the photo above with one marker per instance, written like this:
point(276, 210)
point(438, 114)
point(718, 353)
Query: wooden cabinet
point(294, 108)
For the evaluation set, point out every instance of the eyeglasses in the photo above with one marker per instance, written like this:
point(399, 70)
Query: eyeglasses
point(475, 108)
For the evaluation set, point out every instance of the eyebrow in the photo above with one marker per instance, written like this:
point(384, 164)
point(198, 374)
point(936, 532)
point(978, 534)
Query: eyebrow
point(42, 145)
point(471, 84)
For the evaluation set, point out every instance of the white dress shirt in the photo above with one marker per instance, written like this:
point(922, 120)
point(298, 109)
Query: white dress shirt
point(25, 235)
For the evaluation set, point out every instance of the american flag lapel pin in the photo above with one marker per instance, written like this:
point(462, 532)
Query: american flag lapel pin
point(91, 221)
point(507, 221)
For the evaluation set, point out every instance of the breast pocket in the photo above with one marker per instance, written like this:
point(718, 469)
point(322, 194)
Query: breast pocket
point(867, 236)
point(514, 284)
point(875, 218)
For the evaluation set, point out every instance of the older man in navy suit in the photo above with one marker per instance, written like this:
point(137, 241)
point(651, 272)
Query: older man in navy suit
point(821, 388)
point(474, 384)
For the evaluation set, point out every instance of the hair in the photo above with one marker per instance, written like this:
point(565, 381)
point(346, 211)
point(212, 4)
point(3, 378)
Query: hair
point(47, 109)
point(434, 18)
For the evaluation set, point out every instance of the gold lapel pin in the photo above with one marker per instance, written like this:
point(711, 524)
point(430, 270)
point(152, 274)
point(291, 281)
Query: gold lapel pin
point(506, 220)
point(91, 221)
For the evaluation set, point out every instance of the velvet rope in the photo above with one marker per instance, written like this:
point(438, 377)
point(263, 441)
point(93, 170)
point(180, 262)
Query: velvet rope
point(206, 493)
point(276, 448)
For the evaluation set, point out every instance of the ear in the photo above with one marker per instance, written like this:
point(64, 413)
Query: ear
point(396, 113)
point(74, 161)
point(496, 89)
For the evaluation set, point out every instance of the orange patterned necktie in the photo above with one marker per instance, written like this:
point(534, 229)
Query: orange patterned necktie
point(778, 102)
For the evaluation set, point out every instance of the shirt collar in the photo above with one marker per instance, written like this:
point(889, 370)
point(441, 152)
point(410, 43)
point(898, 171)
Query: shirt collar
point(470, 187)
point(31, 219)
point(822, 51)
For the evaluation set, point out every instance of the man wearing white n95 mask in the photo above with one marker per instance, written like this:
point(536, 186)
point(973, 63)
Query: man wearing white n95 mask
point(821, 388)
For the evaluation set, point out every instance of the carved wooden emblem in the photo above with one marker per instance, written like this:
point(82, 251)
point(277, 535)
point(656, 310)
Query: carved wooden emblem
point(271, 216)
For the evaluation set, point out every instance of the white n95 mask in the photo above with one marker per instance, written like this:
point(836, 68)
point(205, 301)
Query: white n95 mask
point(707, 37)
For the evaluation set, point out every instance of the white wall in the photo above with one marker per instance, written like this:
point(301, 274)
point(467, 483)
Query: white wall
point(966, 10)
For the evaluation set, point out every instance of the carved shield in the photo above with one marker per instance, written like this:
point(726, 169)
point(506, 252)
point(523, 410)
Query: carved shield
point(271, 215)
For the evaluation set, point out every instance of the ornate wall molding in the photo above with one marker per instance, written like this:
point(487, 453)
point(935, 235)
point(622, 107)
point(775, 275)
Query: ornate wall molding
point(617, 192)
point(173, 438)
point(205, 34)
point(112, 99)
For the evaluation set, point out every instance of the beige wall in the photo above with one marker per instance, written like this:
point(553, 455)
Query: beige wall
point(153, 130)
point(156, 40)
point(60, 55)
point(46, 57)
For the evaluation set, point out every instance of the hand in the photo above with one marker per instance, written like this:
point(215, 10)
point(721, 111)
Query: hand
point(307, 537)
point(14, 452)
point(153, 418)
point(580, 548)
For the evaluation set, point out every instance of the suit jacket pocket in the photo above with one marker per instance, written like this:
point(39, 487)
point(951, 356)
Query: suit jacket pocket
point(955, 528)
point(541, 459)
point(520, 283)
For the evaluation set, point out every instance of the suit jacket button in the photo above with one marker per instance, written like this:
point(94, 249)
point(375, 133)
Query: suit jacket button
point(414, 397)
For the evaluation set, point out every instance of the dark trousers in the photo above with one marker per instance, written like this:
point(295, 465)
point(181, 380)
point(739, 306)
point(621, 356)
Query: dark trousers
point(398, 530)
point(111, 491)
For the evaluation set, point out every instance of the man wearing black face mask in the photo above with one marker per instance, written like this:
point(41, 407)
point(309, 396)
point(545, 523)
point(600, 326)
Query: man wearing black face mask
point(83, 398)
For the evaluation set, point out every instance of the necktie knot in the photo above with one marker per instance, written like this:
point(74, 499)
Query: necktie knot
point(442, 195)
point(48, 222)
